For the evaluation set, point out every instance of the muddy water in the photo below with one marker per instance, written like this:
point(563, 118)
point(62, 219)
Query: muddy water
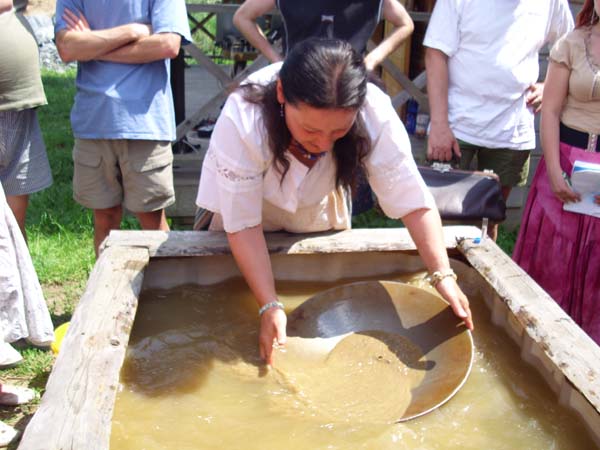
point(193, 379)
point(365, 378)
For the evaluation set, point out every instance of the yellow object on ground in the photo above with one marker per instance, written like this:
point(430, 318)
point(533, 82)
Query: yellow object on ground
point(59, 334)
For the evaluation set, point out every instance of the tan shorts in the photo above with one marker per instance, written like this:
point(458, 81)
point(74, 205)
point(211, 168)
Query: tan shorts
point(512, 166)
point(135, 173)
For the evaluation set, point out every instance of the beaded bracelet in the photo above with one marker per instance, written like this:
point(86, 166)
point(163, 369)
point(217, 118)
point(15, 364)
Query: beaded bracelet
point(438, 276)
point(267, 306)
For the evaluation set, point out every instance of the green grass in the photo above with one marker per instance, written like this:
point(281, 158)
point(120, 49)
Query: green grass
point(34, 361)
point(506, 239)
point(59, 230)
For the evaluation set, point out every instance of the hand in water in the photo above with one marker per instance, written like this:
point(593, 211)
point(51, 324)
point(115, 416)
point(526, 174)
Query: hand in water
point(449, 290)
point(272, 329)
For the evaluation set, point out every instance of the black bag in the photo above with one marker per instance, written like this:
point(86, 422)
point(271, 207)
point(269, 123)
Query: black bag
point(463, 194)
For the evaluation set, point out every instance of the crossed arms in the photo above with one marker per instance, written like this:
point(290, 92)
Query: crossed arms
point(132, 43)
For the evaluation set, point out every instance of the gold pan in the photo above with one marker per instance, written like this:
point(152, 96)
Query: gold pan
point(410, 327)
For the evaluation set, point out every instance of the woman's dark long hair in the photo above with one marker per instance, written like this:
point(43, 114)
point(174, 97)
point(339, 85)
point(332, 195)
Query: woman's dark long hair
point(322, 73)
point(587, 16)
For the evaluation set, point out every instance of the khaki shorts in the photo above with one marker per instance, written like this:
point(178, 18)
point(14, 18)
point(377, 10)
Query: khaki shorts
point(512, 166)
point(135, 173)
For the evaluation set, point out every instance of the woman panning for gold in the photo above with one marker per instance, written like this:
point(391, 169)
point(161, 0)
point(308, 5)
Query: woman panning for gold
point(283, 153)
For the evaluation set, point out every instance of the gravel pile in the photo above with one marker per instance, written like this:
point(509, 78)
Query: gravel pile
point(43, 28)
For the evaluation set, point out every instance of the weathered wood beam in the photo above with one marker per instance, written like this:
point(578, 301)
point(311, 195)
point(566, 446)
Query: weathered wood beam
point(420, 82)
point(201, 243)
point(563, 342)
point(216, 100)
point(199, 25)
point(214, 69)
point(77, 408)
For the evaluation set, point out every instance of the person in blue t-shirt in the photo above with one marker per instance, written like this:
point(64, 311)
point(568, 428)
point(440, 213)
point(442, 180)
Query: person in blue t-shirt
point(123, 117)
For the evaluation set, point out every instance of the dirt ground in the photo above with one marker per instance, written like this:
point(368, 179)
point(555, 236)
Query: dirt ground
point(41, 7)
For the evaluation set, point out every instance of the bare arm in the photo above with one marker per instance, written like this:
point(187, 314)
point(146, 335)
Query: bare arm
point(147, 49)
point(441, 142)
point(557, 83)
point(425, 228)
point(79, 43)
point(396, 14)
point(5, 5)
point(245, 20)
point(249, 249)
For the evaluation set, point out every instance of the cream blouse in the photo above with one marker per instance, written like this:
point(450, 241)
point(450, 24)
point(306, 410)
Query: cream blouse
point(582, 107)
point(241, 184)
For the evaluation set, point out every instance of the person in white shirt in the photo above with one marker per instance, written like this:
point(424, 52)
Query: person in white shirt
point(285, 149)
point(482, 71)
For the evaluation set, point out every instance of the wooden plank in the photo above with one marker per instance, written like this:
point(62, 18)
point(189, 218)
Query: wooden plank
point(190, 122)
point(202, 243)
point(408, 85)
point(216, 100)
point(77, 407)
point(420, 82)
point(212, 68)
point(571, 350)
point(199, 25)
point(400, 58)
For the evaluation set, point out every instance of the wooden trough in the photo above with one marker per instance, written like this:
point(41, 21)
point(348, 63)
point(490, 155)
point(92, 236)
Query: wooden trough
point(76, 410)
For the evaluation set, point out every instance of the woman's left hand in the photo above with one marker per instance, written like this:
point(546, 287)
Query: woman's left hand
point(597, 199)
point(451, 292)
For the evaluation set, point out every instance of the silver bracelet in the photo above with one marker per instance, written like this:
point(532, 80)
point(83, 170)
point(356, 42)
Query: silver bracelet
point(438, 276)
point(267, 306)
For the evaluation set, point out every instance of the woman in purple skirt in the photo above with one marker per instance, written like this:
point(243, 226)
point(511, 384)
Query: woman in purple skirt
point(561, 249)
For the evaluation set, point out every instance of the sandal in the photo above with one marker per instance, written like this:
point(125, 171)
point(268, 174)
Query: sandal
point(7, 434)
point(11, 395)
point(9, 357)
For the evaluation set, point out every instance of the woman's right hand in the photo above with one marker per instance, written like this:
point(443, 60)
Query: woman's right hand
point(272, 329)
point(561, 188)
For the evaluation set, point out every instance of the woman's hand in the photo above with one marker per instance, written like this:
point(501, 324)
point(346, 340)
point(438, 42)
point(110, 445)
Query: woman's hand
point(535, 94)
point(449, 290)
point(272, 328)
point(561, 188)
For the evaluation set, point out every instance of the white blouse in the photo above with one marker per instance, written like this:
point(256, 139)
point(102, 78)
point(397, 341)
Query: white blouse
point(23, 310)
point(242, 186)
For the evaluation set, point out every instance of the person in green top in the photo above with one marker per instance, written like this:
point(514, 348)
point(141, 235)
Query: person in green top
point(24, 167)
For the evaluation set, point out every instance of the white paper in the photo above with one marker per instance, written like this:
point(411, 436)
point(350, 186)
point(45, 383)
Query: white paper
point(585, 179)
